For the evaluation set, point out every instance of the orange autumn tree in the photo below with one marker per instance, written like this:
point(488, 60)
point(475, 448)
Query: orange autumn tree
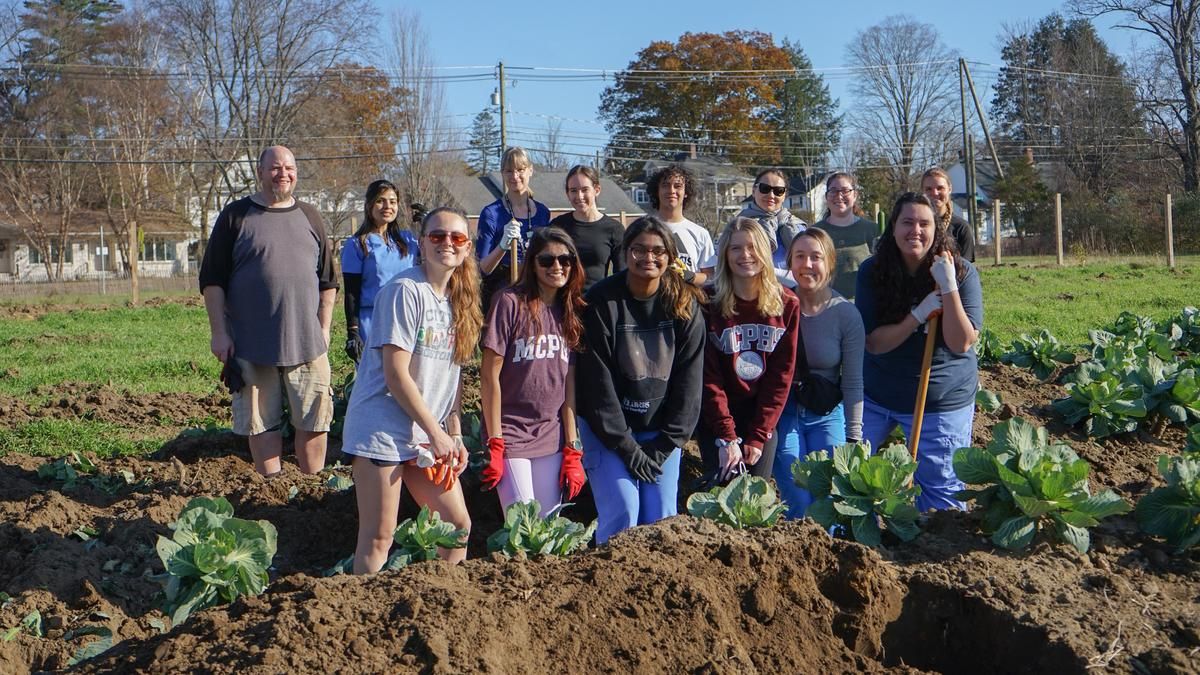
point(716, 91)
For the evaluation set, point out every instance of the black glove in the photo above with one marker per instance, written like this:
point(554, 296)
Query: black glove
point(659, 448)
point(641, 466)
point(231, 376)
point(354, 344)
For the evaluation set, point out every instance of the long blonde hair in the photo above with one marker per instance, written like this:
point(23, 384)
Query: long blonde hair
point(946, 208)
point(463, 290)
point(767, 288)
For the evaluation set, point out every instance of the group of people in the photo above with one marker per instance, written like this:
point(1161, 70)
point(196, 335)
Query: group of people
point(600, 358)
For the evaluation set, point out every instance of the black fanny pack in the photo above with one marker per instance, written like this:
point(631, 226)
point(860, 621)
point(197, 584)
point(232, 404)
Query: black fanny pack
point(816, 393)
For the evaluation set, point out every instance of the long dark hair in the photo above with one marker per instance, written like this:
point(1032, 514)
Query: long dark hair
point(677, 294)
point(569, 296)
point(896, 290)
point(392, 230)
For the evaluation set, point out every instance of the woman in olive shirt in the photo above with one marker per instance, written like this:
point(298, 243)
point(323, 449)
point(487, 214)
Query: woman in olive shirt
point(853, 236)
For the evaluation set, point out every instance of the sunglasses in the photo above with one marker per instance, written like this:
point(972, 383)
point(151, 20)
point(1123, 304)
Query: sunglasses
point(765, 189)
point(547, 260)
point(439, 237)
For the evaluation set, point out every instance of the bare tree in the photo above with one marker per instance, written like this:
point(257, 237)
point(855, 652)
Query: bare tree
point(1174, 25)
point(249, 66)
point(905, 91)
point(428, 146)
point(549, 154)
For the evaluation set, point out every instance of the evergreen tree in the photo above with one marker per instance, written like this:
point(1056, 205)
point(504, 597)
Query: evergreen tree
point(806, 116)
point(484, 142)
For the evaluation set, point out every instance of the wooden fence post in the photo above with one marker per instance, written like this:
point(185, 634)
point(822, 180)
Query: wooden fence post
point(1058, 236)
point(996, 230)
point(1170, 236)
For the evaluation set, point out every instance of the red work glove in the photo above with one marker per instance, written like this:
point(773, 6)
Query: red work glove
point(494, 471)
point(571, 477)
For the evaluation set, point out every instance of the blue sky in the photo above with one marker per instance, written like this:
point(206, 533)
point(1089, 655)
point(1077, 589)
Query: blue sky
point(607, 35)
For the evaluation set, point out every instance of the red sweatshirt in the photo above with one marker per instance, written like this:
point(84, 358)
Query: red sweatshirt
point(748, 364)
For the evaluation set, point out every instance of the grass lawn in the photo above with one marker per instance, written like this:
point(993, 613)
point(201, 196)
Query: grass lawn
point(1025, 297)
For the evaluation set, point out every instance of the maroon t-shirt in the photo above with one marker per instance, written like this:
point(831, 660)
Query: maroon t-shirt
point(748, 358)
point(533, 377)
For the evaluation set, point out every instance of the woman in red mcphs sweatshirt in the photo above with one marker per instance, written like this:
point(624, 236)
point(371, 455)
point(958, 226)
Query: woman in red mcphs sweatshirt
point(753, 324)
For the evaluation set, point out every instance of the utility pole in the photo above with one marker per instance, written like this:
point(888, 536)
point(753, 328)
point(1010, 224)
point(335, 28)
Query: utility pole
point(503, 115)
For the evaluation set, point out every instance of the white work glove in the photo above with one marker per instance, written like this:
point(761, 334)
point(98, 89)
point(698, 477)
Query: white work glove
point(931, 304)
point(942, 270)
point(512, 232)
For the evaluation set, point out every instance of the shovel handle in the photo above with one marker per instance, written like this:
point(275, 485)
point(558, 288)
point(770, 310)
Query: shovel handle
point(513, 273)
point(931, 328)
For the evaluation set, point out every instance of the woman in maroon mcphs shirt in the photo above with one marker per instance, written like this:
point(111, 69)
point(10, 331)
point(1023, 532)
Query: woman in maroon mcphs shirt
point(750, 352)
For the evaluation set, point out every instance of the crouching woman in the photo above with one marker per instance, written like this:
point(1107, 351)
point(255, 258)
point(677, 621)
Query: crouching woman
point(640, 373)
point(407, 397)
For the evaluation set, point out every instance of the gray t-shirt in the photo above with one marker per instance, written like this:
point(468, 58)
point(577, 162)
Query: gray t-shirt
point(854, 243)
point(533, 378)
point(272, 264)
point(694, 245)
point(833, 343)
point(410, 316)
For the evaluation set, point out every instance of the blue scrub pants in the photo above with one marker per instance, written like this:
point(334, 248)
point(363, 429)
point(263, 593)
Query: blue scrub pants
point(941, 434)
point(621, 500)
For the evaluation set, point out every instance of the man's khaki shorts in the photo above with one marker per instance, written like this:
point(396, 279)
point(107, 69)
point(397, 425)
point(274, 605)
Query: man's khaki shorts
point(258, 407)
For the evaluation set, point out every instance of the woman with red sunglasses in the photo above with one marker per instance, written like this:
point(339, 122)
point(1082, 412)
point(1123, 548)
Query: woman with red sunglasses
point(768, 207)
point(527, 386)
point(402, 423)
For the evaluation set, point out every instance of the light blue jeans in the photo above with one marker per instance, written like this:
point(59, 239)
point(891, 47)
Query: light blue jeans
point(621, 500)
point(941, 434)
point(801, 432)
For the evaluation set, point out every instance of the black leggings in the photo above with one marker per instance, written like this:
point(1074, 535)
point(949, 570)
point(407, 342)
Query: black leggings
point(710, 456)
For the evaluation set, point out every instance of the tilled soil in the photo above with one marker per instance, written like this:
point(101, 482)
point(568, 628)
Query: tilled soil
point(682, 595)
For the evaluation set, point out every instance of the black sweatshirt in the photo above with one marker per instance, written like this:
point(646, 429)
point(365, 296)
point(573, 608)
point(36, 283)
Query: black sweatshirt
point(641, 370)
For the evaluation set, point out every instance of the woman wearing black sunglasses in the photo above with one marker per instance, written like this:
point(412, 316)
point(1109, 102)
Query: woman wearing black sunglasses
point(768, 207)
point(527, 377)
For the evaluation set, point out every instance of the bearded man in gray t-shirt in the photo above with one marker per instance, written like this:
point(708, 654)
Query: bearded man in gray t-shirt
point(269, 289)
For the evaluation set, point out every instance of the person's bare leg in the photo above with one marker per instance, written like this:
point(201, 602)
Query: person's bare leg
point(377, 491)
point(450, 506)
point(266, 449)
point(310, 450)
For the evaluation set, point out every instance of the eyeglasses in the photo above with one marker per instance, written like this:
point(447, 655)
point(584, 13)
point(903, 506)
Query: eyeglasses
point(641, 252)
point(765, 189)
point(547, 260)
point(839, 191)
point(439, 237)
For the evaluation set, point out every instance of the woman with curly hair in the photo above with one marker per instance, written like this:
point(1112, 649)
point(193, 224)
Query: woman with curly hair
point(527, 378)
point(913, 275)
point(642, 363)
point(752, 324)
point(406, 403)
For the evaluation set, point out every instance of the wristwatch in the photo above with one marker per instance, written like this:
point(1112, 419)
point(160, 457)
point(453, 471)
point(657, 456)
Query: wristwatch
point(576, 445)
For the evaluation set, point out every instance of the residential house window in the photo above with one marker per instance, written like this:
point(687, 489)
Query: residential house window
point(639, 196)
point(157, 250)
point(35, 257)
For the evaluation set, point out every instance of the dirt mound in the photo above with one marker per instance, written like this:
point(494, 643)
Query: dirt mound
point(681, 596)
point(103, 403)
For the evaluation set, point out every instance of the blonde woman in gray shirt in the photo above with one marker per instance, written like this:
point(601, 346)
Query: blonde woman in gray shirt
point(825, 407)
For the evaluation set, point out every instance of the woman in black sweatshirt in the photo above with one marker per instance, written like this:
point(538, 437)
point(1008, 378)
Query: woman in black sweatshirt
point(639, 378)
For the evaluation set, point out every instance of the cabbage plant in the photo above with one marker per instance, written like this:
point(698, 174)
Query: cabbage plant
point(1029, 485)
point(528, 532)
point(1041, 354)
point(747, 501)
point(861, 492)
point(214, 558)
point(1173, 512)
